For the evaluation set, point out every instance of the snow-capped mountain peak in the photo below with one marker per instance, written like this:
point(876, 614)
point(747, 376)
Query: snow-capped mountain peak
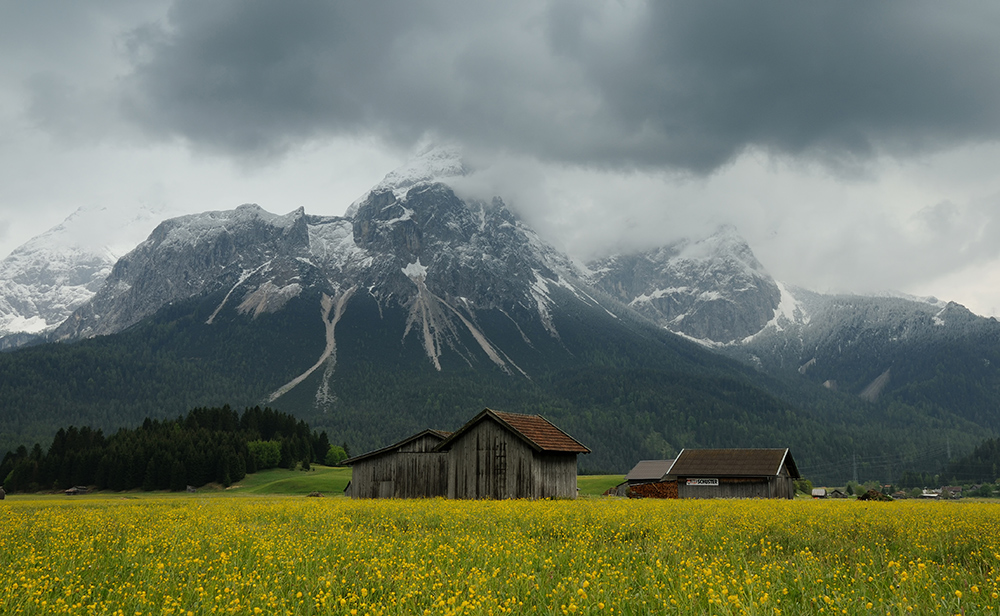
point(724, 243)
point(48, 277)
point(711, 289)
point(434, 164)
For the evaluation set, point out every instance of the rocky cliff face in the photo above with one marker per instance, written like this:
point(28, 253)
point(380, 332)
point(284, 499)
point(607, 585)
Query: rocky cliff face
point(192, 255)
point(713, 290)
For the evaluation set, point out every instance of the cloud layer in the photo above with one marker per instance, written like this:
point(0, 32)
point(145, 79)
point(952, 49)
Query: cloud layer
point(669, 85)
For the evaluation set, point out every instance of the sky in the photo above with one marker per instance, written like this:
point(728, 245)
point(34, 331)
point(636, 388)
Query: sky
point(855, 145)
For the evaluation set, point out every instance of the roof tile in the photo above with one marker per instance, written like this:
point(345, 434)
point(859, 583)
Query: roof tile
point(538, 430)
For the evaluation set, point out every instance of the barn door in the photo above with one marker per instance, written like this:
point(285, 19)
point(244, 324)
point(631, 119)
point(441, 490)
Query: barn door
point(499, 467)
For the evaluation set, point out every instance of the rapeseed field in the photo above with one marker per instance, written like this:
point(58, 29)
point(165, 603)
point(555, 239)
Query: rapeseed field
point(216, 555)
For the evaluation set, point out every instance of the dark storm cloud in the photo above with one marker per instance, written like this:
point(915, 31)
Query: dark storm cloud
point(683, 85)
point(835, 80)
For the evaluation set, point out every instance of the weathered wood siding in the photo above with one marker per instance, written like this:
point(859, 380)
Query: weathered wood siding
point(401, 475)
point(740, 487)
point(555, 475)
point(489, 461)
point(423, 444)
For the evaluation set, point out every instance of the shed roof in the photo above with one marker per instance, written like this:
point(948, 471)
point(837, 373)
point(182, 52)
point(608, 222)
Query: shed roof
point(733, 463)
point(539, 433)
point(439, 434)
point(649, 470)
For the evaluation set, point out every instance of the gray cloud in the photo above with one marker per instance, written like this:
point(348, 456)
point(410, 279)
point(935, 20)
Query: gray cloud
point(674, 85)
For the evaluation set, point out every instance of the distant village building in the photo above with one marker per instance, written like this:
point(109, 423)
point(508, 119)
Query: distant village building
point(819, 492)
point(495, 455)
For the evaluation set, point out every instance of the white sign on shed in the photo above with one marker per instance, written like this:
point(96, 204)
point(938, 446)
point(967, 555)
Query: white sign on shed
point(702, 481)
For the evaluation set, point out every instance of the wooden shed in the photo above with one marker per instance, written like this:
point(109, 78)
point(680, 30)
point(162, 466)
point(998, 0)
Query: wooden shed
point(503, 455)
point(734, 473)
point(407, 469)
point(495, 455)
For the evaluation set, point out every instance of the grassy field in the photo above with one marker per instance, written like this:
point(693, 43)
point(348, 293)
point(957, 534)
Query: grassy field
point(327, 480)
point(595, 485)
point(207, 554)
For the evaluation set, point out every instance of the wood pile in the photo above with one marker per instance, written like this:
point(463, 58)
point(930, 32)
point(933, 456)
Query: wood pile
point(663, 489)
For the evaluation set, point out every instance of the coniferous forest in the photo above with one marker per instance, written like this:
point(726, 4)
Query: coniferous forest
point(207, 445)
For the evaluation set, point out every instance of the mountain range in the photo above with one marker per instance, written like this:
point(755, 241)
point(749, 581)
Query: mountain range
point(419, 304)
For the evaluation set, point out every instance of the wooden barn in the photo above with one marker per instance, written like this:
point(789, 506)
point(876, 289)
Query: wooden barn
point(495, 455)
point(503, 455)
point(734, 473)
point(408, 469)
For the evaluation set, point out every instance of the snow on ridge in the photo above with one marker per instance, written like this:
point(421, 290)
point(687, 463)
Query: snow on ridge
point(435, 164)
point(726, 243)
point(790, 311)
point(192, 229)
point(929, 299)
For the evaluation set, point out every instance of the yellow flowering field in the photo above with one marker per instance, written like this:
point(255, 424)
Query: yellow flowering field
point(217, 555)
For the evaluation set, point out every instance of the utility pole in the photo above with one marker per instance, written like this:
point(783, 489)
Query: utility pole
point(948, 443)
point(854, 459)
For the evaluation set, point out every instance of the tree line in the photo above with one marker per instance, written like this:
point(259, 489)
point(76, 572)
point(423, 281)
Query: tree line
point(207, 445)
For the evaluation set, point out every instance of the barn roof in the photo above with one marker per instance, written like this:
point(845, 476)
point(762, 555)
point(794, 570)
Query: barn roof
point(439, 434)
point(733, 463)
point(649, 470)
point(539, 433)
